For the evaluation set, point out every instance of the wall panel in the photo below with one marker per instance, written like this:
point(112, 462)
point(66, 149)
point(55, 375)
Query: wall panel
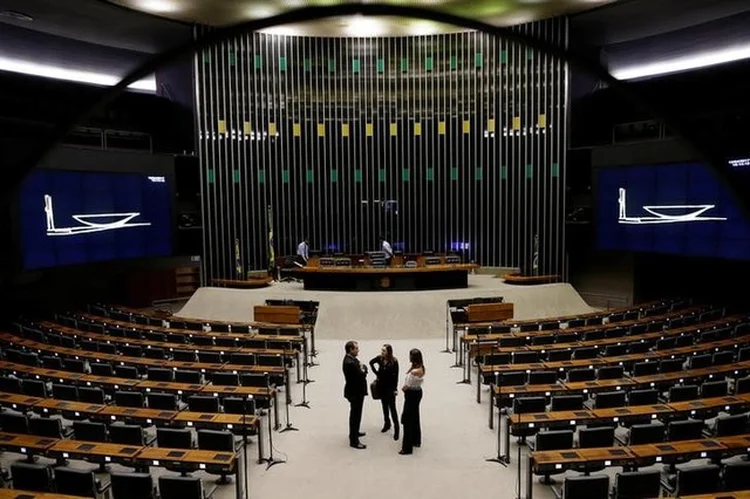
point(449, 142)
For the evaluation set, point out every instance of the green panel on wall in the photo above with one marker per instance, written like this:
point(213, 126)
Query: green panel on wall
point(529, 171)
point(454, 173)
point(232, 58)
point(555, 170)
point(358, 175)
point(282, 63)
point(285, 176)
point(211, 176)
point(504, 57)
point(334, 176)
point(428, 64)
point(380, 64)
point(355, 65)
point(331, 65)
point(310, 176)
point(479, 174)
point(430, 175)
point(257, 61)
point(381, 175)
point(261, 176)
point(478, 60)
point(405, 174)
point(206, 57)
point(236, 176)
point(503, 172)
point(404, 64)
point(453, 62)
point(307, 64)
point(529, 54)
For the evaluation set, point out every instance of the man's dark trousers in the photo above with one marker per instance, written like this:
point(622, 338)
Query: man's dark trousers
point(355, 418)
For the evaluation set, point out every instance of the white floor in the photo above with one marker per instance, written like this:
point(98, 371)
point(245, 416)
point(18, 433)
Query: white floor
point(456, 442)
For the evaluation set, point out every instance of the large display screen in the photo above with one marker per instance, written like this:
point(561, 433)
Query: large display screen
point(77, 217)
point(669, 208)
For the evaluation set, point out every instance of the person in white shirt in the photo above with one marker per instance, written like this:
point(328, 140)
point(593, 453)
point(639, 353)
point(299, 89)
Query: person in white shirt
point(412, 397)
point(303, 251)
point(386, 248)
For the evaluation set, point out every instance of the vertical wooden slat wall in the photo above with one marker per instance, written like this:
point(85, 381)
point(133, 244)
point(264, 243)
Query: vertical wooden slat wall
point(451, 142)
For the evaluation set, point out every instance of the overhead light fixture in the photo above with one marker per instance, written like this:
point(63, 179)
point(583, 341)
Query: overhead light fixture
point(685, 63)
point(286, 30)
point(417, 28)
point(364, 26)
point(67, 74)
point(158, 6)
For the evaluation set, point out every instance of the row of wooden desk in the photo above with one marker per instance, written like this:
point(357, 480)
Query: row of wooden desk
point(631, 456)
point(141, 457)
point(618, 415)
point(140, 415)
point(112, 384)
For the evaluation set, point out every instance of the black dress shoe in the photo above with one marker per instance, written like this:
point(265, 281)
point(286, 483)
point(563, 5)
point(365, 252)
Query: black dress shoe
point(404, 453)
point(395, 433)
point(358, 446)
point(362, 434)
point(385, 428)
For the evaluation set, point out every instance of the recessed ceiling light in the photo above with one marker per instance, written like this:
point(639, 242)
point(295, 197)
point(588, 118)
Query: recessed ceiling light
point(18, 16)
point(159, 6)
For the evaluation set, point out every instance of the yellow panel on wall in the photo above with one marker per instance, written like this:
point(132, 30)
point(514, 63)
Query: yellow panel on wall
point(272, 129)
point(246, 128)
point(369, 129)
point(417, 128)
point(491, 125)
point(516, 123)
point(441, 127)
point(542, 121)
point(467, 126)
point(394, 129)
point(321, 129)
point(345, 129)
point(222, 125)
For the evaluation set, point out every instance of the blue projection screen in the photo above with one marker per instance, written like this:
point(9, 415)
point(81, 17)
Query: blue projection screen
point(671, 208)
point(77, 217)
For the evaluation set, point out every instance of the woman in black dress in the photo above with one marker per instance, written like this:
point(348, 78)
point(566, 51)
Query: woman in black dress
point(412, 397)
point(385, 367)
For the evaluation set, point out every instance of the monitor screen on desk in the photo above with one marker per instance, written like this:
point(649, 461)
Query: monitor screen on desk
point(78, 217)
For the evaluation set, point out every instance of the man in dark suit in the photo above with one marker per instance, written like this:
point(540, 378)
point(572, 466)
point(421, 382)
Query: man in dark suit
point(355, 390)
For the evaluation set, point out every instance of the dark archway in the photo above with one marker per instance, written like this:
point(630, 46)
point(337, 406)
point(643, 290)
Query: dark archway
point(15, 175)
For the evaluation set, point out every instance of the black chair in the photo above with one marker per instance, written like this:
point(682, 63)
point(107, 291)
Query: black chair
point(225, 379)
point(641, 434)
point(273, 360)
point(542, 377)
point(155, 353)
point(237, 405)
point(610, 372)
point(689, 429)
point(714, 389)
point(132, 486)
point(159, 374)
point(730, 425)
point(736, 475)
point(253, 379)
point(553, 440)
point(172, 487)
point(34, 477)
point(77, 482)
point(14, 422)
point(173, 438)
point(162, 401)
point(90, 431)
point(496, 359)
point(589, 438)
point(559, 355)
point(184, 355)
point(546, 339)
point(191, 377)
point(129, 399)
point(697, 480)
point(202, 403)
point(47, 427)
point(10, 385)
point(639, 347)
point(637, 485)
point(91, 395)
point(527, 405)
point(101, 369)
point(575, 375)
point(126, 434)
point(245, 359)
point(701, 361)
point(585, 353)
point(50, 362)
point(210, 357)
point(128, 372)
point(608, 400)
point(34, 388)
point(567, 403)
point(643, 397)
point(131, 350)
point(586, 487)
point(671, 365)
point(742, 385)
point(615, 350)
point(723, 358)
point(65, 392)
point(217, 441)
point(683, 393)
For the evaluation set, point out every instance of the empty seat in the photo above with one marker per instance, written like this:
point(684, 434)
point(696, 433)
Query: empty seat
point(638, 347)
point(641, 434)
point(132, 486)
point(179, 487)
point(726, 426)
point(542, 377)
point(101, 369)
point(237, 405)
point(91, 395)
point(128, 372)
point(689, 429)
point(245, 359)
point(697, 480)
point(126, 434)
point(129, 399)
point(610, 372)
point(742, 385)
point(159, 374)
point(575, 375)
point(645, 369)
point(50, 362)
point(607, 400)
point(210, 357)
point(131, 350)
point(496, 359)
point(723, 358)
point(225, 379)
point(714, 389)
point(10, 385)
point(615, 350)
point(77, 482)
point(74, 365)
point(522, 357)
point(637, 485)
point(46, 427)
point(736, 475)
point(34, 388)
point(596, 437)
point(671, 365)
point(701, 361)
point(202, 403)
point(192, 377)
point(14, 422)
point(65, 392)
point(585, 353)
point(643, 397)
point(567, 402)
point(34, 477)
point(90, 431)
point(559, 355)
point(162, 401)
point(683, 393)
point(155, 353)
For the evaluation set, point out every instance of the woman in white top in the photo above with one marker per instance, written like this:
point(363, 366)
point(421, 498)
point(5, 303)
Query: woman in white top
point(412, 397)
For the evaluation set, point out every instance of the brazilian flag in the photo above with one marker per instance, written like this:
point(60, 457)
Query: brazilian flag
point(237, 260)
point(271, 254)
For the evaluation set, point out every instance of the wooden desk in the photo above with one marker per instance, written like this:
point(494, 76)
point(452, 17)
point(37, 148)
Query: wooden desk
point(489, 312)
point(245, 392)
point(740, 494)
point(444, 276)
point(204, 459)
point(94, 451)
point(726, 404)
point(169, 387)
point(277, 314)
point(25, 444)
point(249, 283)
point(18, 402)
point(569, 458)
point(664, 452)
point(598, 385)
point(27, 494)
point(140, 414)
point(65, 407)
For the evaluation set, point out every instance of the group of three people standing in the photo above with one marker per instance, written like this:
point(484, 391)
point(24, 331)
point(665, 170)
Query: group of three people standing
point(385, 366)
